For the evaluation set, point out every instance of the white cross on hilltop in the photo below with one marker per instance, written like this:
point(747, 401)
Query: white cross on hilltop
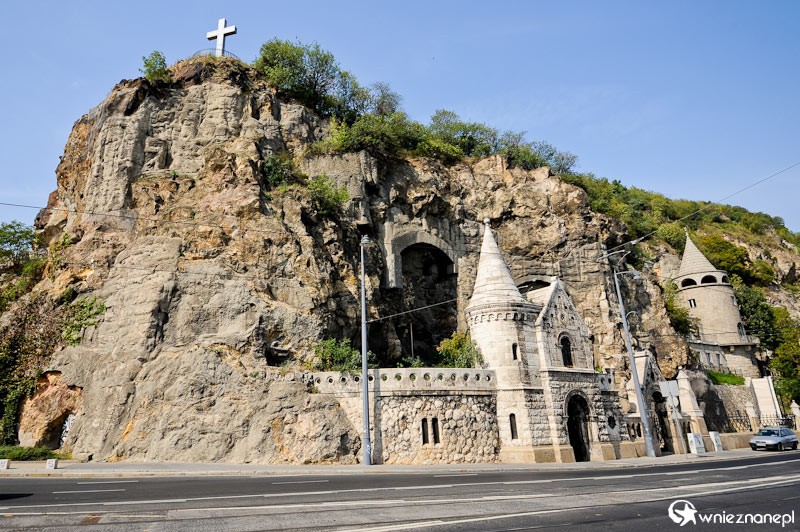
point(219, 34)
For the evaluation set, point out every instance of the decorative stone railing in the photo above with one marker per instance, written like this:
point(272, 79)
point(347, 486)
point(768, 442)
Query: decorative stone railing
point(407, 379)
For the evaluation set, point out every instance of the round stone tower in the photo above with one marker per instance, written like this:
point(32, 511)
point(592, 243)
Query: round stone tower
point(708, 294)
point(500, 319)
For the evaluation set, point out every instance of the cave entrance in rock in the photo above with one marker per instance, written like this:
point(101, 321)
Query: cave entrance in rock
point(428, 282)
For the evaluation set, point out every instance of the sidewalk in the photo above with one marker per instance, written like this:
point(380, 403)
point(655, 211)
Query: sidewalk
point(72, 468)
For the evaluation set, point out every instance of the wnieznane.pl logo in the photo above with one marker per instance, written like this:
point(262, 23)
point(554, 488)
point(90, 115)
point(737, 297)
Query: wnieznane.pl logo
point(683, 512)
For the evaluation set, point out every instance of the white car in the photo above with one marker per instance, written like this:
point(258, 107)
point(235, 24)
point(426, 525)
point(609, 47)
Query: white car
point(774, 438)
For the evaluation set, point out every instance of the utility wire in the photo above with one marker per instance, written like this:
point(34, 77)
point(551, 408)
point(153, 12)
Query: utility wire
point(137, 219)
point(712, 204)
point(412, 310)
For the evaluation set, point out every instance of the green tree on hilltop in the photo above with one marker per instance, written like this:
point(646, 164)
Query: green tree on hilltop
point(312, 76)
point(155, 68)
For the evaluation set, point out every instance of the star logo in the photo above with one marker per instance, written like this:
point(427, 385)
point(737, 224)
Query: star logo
point(682, 512)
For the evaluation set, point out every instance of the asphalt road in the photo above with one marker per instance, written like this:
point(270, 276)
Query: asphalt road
point(628, 499)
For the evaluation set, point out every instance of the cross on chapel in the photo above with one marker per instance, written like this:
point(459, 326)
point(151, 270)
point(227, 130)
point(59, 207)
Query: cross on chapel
point(219, 34)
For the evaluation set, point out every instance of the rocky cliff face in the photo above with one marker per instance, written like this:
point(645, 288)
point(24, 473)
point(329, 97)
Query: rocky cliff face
point(211, 284)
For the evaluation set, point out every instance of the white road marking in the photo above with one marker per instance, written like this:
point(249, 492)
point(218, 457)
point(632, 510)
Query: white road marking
point(440, 522)
point(110, 482)
point(362, 490)
point(88, 491)
point(432, 486)
point(670, 494)
point(303, 482)
point(457, 475)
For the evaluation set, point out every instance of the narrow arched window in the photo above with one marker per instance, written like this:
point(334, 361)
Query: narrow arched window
point(435, 426)
point(742, 333)
point(708, 279)
point(688, 282)
point(566, 352)
point(513, 351)
point(512, 421)
point(425, 440)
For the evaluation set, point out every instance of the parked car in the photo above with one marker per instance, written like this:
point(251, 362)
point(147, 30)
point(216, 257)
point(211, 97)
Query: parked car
point(774, 438)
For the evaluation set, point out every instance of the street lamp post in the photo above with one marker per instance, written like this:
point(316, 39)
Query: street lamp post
point(367, 445)
point(643, 414)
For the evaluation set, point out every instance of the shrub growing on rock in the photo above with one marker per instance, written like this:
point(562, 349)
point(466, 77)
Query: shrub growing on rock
point(155, 68)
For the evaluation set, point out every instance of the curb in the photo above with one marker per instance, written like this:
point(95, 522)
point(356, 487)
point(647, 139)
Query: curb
point(83, 469)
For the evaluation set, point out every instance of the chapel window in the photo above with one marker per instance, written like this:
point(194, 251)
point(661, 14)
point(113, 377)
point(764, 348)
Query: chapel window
point(512, 421)
point(513, 351)
point(425, 439)
point(435, 426)
point(566, 352)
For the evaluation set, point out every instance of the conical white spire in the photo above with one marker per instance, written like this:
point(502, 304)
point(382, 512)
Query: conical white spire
point(693, 260)
point(493, 283)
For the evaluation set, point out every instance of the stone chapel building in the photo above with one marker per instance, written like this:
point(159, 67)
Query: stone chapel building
point(536, 398)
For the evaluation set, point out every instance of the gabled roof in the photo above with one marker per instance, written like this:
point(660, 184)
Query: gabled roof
point(542, 296)
point(493, 283)
point(694, 261)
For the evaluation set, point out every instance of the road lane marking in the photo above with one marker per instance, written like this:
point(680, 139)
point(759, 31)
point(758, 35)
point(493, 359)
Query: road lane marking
point(302, 482)
point(440, 522)
point(88, 491)
point(431, 487)
point(768, 482)
point(457, 475)
point(110, 482)
point(336, 492)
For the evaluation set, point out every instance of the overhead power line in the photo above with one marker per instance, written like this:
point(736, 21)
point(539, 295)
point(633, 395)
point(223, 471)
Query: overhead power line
point(710, 205)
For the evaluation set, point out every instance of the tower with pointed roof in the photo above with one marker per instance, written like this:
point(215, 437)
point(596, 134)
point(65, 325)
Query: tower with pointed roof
point(500, 318)
point(721, 341)
point(501, 324)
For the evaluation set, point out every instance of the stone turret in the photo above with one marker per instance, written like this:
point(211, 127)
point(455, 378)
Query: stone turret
point(500, 319)
point(707, 292)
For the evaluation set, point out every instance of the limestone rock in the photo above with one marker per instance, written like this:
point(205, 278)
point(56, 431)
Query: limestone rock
point(212, 281)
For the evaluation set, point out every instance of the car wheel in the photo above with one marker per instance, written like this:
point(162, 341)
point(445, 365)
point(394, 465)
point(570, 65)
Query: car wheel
point(794, 446)
point(780, 446)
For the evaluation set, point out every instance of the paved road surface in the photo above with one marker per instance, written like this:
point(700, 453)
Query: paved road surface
point(592, 499)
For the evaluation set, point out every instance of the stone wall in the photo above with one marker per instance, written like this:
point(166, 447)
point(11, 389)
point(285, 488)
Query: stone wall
point(539, 422)
point(460, 428)
point(562, 384)
point(734, 398)
point(462, 401)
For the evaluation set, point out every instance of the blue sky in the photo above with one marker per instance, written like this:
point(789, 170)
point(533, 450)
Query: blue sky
point(693, 99)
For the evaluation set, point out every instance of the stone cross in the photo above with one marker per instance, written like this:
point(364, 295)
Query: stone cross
point(219, 34)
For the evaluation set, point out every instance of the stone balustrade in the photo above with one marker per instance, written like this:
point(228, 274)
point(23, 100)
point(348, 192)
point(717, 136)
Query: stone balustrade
point(408, 380)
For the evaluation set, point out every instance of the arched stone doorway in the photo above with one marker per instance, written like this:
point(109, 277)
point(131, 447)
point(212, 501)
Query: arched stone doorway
point(578, 427)
point(662, 423)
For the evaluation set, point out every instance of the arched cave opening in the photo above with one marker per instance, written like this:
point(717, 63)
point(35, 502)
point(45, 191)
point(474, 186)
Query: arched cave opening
point(55, 433)
point(427, 306)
